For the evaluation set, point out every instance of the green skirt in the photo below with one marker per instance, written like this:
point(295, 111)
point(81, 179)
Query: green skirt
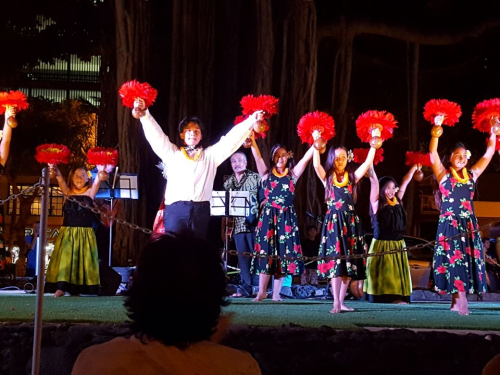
point(74, 264)
point(388, 276)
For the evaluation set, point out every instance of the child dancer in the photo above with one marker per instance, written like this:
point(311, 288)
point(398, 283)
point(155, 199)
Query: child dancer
point(277, 231)
point(388, 276)
point(342, 233)
point(74, 265)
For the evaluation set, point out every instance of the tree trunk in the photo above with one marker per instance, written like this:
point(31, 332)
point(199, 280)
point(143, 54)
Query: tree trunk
point(132, 46)
point(297, 91)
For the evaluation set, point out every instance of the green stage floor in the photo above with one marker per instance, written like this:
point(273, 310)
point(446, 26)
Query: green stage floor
point(485, 316)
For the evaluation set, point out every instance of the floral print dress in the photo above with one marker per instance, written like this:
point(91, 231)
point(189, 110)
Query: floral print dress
point(342, 234)
point(458, 260)
point(277, 231)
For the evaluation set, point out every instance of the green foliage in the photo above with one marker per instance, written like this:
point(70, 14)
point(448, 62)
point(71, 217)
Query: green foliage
point(72, 123)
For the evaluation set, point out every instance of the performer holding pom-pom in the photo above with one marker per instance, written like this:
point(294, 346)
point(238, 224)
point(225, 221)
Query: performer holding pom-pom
point(458, 256)
point(388, 276)
point(277, 232)
point(10, 103)
point(74, 265)
point(190, 170)
point(342, 233)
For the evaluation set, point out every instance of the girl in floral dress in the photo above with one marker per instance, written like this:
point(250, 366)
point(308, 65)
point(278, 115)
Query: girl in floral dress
point(342, 233)
point(277, 231)
point(458, 259)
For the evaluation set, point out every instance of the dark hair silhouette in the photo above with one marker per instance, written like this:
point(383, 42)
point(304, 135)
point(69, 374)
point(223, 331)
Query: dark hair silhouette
point(178, 290)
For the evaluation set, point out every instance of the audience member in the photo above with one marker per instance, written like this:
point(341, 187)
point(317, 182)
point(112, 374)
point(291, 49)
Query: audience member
point(173, 321)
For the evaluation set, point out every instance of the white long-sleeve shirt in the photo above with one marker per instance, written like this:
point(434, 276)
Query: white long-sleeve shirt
point(187, 179)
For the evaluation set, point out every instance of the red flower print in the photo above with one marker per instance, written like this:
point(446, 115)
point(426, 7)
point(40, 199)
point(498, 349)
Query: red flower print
point(448, 213)
point(458, 254)
point(349, 188)
point(338, 204)
point(292, 186)
point(270, 233)
point(322, 267)
point(471, 195)
point(441, 269)
point(454, 223)
point(337, 247)
point(292, 267)
point(329, 227)
point(467, 250)
point(352, 241)
point(273, 184)
point(276, 205)
point(259, 225)
point(477, 253)
point(344, 230)
point(266, 193)
point(453, 259)
point(467, 206)
point(288, 229)
point(459, 284)
point(444, 243)
point(444, 191)
point(297, 249)
point(257, 247)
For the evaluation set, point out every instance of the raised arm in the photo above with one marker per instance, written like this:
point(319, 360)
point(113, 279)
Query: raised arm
point(234, 138)
point(437, 167)
point(363, 168)
point(157, 139)
point(406, 180)
point(7, 136)
point(374, 190)
point(261, 165)
point(95, 187)
point(481, 164)
point(320, 171)
point(60, 181)
point(300, 167)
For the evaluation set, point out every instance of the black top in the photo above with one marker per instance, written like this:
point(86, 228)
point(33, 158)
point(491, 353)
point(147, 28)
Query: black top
point(310, 248)
point(76, 215)
point(389, 223)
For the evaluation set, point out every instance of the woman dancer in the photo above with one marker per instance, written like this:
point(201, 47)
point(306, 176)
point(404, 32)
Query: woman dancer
point(74, 264)
point(277, 230)
point(342, 233)
point(458, 255)
point(388, 276)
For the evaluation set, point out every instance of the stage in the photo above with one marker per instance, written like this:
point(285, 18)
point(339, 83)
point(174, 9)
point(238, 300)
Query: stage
point(290, 337)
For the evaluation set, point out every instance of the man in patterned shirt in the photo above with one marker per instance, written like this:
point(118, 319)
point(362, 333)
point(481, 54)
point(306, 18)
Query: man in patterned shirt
point(244, 227)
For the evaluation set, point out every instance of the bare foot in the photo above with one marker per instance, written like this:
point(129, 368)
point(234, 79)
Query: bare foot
point(400, 302)
point(463, 311)
point(259, 297)
point(336, 308)
point(59, 293)
point(345, 308)
point(277, 299)
point(454, 307)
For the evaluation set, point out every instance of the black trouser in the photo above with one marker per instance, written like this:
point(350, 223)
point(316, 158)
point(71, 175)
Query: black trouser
point(245, 243)
point(187, 217)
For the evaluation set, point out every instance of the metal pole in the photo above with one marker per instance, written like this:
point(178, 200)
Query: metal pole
point(37, 336)
point(110, 231)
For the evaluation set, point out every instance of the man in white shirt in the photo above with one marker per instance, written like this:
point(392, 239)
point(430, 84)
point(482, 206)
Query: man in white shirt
point(190, 170)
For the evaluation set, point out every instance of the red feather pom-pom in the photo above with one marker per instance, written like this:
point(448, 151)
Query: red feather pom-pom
point(484, 112)
point(131, 90)
point(102, 156)
point(52, 153)
point(316, 120)
point(450, 110)
point(14, 98)
point(242, 118)
point(360, 155)
point(369, 120)
point(418, 158)
point(266, 103)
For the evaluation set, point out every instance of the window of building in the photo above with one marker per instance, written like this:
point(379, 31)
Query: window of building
point(55, 201)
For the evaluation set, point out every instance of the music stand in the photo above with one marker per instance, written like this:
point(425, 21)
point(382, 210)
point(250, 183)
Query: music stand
point(118, 186)
point(229, 204)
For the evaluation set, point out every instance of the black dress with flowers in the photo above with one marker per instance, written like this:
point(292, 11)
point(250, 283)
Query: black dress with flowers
point(277, 231)
point(342, 234)
point(458, 259)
